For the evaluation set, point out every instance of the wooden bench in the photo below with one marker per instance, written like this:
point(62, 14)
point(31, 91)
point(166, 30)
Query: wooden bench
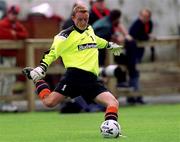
point(156, 79)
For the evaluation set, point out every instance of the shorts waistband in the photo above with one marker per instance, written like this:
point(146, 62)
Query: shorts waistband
point(80, 74)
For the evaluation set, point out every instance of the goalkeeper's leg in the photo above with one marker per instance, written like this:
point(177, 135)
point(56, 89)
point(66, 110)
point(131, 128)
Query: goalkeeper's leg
point(111, 103)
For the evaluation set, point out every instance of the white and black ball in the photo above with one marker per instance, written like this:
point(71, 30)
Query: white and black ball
point(110, 129)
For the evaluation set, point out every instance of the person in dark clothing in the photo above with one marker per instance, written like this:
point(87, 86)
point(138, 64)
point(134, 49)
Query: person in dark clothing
point(140, 30)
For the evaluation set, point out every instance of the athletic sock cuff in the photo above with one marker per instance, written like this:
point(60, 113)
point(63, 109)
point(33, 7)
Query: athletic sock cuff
point(42, 88)
point(43, 93)
point(111, 113)
point(112, 109)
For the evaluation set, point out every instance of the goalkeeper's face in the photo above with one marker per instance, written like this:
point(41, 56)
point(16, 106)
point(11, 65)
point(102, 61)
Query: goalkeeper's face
point(81, 19)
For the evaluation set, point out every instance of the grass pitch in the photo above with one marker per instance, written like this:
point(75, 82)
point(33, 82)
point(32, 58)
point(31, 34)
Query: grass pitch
point(150, 123)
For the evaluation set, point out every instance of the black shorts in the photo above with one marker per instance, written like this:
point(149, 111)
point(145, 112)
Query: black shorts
point(76, 82)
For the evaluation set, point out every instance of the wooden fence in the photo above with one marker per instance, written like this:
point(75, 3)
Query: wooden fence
point(32, 44)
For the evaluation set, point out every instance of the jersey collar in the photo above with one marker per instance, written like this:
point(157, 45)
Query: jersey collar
point(78, 30)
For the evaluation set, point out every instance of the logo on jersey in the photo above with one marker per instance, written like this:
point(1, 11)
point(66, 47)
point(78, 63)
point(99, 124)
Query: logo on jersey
point(86, 46)
point(64, 87)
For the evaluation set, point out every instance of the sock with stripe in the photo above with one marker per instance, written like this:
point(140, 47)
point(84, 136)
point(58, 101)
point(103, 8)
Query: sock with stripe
point(42, 89)
point(111, 113)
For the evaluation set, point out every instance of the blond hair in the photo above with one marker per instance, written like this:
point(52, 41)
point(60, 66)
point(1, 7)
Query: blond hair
point(79, 8)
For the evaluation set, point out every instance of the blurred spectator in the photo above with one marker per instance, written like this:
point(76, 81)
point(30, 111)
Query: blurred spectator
point(104, 28)
point(107, 28)
point(111, 30)
point(140, 30)
point(11, 29)
point(98, 10)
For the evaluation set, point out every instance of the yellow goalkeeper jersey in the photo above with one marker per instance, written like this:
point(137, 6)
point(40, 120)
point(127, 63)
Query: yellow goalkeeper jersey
point(77, 49)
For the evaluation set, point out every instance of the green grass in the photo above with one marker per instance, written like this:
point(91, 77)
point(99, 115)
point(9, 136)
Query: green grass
point(158, 123)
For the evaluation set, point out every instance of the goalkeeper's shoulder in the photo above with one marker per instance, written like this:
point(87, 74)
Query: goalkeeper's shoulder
point(64, 34)
point(61, 37)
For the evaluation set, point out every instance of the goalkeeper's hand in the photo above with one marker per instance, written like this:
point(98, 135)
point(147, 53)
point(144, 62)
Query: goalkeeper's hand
point(38, 73)
point(115, 48)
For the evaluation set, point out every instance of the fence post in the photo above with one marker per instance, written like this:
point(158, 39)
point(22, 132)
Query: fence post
point(178, 52)
point(30, 62)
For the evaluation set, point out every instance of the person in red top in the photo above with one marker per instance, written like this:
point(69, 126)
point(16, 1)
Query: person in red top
point(10, 29)
point(98, 11)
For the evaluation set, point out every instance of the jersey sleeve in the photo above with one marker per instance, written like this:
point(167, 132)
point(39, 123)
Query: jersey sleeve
point(53, 53)
point(101, 43)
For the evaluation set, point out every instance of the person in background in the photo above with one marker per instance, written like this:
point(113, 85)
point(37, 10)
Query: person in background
point(104, 28)
point(140, 30)
point(10, 29)
point(118, 35)
point(10, 26)
point(110, 28)
point(98, 11)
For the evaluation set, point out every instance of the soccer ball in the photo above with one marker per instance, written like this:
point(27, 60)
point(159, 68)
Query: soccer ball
point(110, 129)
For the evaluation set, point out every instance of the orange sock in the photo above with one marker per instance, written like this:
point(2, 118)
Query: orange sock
point(44, 93)
point(111, 113)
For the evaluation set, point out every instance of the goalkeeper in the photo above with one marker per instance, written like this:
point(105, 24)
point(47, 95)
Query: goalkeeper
point(78, 47)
